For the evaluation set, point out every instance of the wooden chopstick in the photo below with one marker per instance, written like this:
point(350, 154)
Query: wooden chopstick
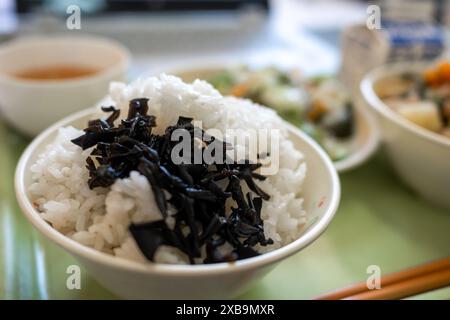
point(407, 288)
point(390, 279)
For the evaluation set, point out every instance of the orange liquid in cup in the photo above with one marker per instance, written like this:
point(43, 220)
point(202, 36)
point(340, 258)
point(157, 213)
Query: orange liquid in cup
point(62, 72)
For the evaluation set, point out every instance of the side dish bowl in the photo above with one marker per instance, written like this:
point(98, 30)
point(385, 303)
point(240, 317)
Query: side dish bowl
point(420, 157)
point(134, 280)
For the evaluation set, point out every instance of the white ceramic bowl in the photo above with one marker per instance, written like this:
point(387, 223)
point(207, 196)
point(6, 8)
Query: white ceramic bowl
point(363, 144)
point(420, 157)
point(130, 279)
point(33, 105)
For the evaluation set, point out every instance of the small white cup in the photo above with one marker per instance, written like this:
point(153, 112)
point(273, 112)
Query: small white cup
point(33, 105)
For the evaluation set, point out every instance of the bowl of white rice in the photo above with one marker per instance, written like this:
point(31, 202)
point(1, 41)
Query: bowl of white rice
point(109, 226)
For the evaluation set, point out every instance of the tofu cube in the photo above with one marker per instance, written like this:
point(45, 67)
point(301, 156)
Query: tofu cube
point(423, 113)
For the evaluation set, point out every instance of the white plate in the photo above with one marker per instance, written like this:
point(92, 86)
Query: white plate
point(364, 143)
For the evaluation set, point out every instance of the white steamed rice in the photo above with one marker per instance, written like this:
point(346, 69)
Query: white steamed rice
point(100, 218)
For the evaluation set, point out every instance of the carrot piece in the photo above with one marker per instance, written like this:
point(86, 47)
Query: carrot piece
point(318, 108)
point(240, 90)
point(431, 77)
point(444, 71)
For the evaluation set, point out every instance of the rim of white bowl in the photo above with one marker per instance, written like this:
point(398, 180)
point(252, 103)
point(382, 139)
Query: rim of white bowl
point(396, 69)
point(357, 157)
point(121, 65)
point(96, 256)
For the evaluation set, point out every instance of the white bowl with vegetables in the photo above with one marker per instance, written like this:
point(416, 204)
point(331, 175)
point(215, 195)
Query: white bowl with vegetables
point(321, 106)
point(411, 109)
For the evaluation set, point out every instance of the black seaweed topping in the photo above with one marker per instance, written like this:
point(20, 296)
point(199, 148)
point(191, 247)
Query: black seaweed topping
point(193, 190)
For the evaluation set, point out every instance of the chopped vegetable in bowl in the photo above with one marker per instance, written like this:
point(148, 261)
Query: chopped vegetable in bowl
point(423, 99)
point(320, 106)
